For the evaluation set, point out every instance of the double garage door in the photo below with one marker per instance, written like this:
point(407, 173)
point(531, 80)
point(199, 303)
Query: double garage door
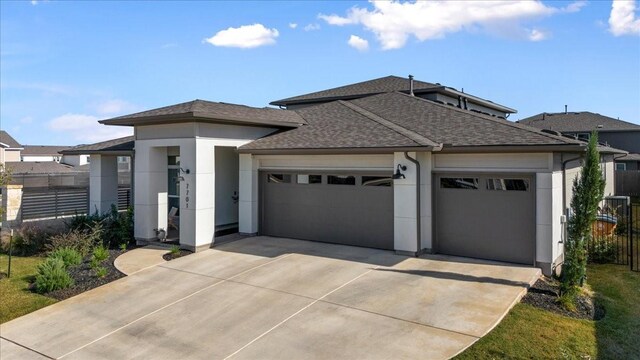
point(487, 216)
point(348, 208)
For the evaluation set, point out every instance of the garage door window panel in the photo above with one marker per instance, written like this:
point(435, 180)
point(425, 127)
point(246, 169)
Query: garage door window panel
point(341, 180)
point(279, 178)
point(305, 179)
point(459, 183)
point(507, 184)
point(377, 181)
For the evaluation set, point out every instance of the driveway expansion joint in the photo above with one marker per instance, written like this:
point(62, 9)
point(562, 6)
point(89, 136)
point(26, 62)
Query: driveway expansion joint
point(298, 312)
point(26, 347)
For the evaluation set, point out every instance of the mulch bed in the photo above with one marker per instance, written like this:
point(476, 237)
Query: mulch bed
point(171, 256)
point(85, 277)
point(544, 295)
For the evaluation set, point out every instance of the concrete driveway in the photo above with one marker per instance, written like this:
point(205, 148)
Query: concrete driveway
point(271, 298)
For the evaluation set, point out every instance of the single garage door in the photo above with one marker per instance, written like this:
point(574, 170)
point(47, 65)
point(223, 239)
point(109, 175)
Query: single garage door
point(488, 216)
point(344, 208)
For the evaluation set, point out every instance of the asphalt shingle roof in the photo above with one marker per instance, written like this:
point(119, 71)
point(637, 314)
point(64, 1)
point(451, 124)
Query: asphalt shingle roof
point(202, 109)
point(42, 150)
point(5, 138)
point(629, 157)
point(45, 167)
point(453, 126)
point(370, 87)
point(400, 120)
point(578, 121)
point(333, 126)
point(123, 144)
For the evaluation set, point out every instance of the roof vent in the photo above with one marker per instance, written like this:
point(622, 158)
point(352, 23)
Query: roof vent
point(600, 126)
point(411, 85)
point(565, 109)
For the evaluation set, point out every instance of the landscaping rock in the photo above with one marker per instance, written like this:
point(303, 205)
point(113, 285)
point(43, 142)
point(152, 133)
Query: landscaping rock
point(544, 295)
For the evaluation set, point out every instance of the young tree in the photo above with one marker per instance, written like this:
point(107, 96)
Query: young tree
point(588, 190)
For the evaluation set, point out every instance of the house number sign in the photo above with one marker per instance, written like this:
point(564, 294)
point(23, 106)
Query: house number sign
point(186, 198)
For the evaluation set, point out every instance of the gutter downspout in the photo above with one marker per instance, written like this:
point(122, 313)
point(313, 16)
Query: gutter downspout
point(418, 217)
point(564, 208)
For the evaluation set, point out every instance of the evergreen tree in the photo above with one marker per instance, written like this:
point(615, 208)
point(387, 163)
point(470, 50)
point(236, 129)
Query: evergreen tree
point(588, 190)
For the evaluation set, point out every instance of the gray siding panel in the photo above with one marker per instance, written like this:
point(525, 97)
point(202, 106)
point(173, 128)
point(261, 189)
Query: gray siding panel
point(627, 140)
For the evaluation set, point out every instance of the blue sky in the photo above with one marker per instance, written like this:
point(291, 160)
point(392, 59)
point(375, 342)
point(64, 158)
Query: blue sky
point(64, 65)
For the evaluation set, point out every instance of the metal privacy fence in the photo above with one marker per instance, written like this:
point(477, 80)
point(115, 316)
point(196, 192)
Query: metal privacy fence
point(45, 203)
point(54, 203)
point(616, 233)
point(39, 181)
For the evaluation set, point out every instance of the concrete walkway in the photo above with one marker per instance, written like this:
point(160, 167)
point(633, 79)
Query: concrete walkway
point(273, 298)
point(139, 259)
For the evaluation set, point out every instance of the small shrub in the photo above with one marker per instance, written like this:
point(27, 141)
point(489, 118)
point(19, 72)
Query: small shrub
point(175, 250)
point(81, 241)
point(83, 222)
point(94, 263)
point(27, 241)
point(601, 250)
point(118, 226)
point(52, 275)
point(101, 271)
point(69, 256)
point(123, 247)
point(568, 300)
point(100, 254)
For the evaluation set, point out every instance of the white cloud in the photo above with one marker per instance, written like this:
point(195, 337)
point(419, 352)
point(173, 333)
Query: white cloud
point(623, 19)
point(393, 22)
point(358, 43)
point(293, 25)
point(574, 6)
point(26, 120)
point(168, 46)
point(86, 129)
point(115, 107)
point(245, 37)
point(312, 27)
point(537, 35)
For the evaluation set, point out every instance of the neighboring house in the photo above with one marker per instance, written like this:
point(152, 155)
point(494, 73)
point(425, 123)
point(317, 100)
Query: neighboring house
point(613, 132)
point(42, 153)
point(359, 165)
point(39, 167)
point(9, 148)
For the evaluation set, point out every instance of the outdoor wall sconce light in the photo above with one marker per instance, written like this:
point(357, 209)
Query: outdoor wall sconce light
point(184, 171)
point(398, 174)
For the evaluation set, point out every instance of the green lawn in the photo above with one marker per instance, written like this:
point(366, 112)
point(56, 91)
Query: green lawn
point(531, 333)
point(16, 300)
